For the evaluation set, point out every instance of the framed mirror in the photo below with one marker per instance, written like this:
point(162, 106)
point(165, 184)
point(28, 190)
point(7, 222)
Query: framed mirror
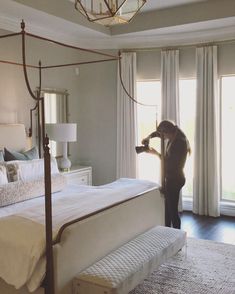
point(56, 111)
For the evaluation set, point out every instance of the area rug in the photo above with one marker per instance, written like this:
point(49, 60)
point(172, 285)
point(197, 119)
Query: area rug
point(204, 267)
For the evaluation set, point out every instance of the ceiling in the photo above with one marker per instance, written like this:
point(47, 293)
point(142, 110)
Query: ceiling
point(161, 23)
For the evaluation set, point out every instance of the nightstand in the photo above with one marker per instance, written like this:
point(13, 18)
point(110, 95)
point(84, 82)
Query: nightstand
point(79, 175)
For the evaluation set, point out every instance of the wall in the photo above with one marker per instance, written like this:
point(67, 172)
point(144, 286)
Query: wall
point(149, 62)
point(15, 101)
point(97, 119)
point(226, 59)
point(92, 99)
point(14, 96)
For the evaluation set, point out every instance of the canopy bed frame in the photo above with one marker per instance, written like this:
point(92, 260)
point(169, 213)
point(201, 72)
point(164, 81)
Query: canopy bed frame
point(58, 250)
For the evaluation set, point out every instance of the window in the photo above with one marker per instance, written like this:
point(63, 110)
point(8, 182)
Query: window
point(187, 101)
point(227, 137)
point(50, 116)
point(148, 92)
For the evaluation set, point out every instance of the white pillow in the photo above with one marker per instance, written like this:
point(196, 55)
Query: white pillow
point(20, 191)
point(28, 170)
point(3, 175)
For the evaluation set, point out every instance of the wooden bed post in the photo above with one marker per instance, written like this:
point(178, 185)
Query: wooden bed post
point(49, 285)
point(49, 280)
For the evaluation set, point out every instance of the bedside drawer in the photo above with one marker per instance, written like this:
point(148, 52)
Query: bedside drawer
point(79, 175)
point(78, 179)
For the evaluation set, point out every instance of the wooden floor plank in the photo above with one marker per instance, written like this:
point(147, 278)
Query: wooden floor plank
point(221, 229)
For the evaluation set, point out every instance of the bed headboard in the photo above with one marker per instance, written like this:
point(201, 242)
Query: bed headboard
point(13, 136)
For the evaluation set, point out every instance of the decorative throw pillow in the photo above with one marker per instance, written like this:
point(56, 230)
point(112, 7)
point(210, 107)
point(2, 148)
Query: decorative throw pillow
point(20, 191)
point(1, 156)
point(3, 175)
point(28, 170)
point(10, 155)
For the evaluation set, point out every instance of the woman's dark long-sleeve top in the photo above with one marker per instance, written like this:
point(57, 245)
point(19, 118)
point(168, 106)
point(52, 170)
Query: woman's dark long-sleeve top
point(175, 157)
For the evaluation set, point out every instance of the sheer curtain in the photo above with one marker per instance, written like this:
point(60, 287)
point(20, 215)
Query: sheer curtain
point(170, 89)
point(126, 118)
point(206, 176)
point(170, 85)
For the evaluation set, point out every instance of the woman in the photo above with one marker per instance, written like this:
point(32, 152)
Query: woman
point(175, 157)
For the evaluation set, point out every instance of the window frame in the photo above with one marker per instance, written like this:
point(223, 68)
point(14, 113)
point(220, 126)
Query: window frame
point(220, 78)
point(159, 111)
point(188, 197)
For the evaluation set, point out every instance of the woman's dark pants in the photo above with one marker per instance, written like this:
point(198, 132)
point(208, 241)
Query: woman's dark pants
point(172, 192)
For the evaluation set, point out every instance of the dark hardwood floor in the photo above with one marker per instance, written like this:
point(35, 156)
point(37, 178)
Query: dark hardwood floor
point(221, 229)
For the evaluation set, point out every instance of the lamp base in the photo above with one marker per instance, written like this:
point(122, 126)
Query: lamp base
point(64, 164)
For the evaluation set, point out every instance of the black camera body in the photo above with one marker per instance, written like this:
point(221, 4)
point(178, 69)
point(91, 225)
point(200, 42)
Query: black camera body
point(143, 148)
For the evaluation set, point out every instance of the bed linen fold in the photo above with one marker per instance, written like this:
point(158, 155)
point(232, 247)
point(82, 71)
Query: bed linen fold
point(22, 244)
point(22, 232)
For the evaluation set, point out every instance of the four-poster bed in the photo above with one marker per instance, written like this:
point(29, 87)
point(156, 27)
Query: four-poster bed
point(71, 249)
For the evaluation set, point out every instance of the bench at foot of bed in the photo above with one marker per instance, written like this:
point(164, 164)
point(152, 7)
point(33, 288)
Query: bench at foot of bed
point(123, 269)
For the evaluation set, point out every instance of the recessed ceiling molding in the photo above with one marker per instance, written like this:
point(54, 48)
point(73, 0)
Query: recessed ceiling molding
point(61, 9)
point(62, 30)
point(180, 15)
point(179, 35)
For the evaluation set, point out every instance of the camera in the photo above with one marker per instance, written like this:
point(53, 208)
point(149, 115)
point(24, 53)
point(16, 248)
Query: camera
point(143, 148)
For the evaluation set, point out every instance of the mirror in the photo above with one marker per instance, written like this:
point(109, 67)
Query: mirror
point(56, 111)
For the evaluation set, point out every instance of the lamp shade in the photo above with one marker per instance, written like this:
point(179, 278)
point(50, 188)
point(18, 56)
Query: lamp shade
point(66, 132)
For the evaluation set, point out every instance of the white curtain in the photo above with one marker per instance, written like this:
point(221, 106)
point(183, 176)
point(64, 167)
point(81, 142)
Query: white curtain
point(170, 85)
point(206, 177)
point(126, 118)
point(170, 89)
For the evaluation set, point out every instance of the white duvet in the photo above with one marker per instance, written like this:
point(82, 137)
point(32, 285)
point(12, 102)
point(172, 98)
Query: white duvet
point(22, 233)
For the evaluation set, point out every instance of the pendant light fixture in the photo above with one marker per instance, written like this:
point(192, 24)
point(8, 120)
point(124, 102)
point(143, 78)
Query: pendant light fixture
point(109, 12)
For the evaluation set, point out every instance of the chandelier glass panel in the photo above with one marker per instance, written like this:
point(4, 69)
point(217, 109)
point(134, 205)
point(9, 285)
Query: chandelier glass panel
point(109, 12)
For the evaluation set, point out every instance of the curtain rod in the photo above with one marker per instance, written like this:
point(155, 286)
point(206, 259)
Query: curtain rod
point(193, 45)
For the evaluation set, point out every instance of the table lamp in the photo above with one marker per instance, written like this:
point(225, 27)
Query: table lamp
point(64, 133)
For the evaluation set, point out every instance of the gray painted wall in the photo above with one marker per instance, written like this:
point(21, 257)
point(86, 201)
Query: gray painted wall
point(92, 100)
point(149, 64)
point(96, 112)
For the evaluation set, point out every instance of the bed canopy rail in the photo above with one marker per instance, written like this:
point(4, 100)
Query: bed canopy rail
point(39, 106)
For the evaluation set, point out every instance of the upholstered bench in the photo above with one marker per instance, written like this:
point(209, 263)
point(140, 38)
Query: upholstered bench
point(123, 269)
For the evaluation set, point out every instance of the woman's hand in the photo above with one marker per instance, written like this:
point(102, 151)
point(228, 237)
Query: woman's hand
point(145, 141)
point(153, 151)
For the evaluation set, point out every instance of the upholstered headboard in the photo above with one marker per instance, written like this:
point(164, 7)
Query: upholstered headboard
point(13, 136)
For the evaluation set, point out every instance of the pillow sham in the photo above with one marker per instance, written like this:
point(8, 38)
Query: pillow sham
point(10, 155)
point(19, 191)
point(28, 170)
point(3, 175)
point(1, 156)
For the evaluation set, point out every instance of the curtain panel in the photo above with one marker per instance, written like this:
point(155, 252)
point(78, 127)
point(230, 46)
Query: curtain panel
point(126, 119)
point(206, 172)
point(170, 85)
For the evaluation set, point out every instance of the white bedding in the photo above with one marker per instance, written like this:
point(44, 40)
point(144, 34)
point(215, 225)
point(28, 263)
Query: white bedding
point(22, 236)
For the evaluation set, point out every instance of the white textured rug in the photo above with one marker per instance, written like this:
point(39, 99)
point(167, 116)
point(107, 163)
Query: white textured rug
point(205, 267)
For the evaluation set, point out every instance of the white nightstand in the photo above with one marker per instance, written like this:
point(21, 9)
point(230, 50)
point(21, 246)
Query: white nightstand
point(79, 175)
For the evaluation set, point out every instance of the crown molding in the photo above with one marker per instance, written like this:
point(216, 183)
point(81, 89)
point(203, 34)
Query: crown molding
point(83, 37)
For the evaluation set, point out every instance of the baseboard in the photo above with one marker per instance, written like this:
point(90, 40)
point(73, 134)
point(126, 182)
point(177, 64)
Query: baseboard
point(226, 208)
point(187, 204)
